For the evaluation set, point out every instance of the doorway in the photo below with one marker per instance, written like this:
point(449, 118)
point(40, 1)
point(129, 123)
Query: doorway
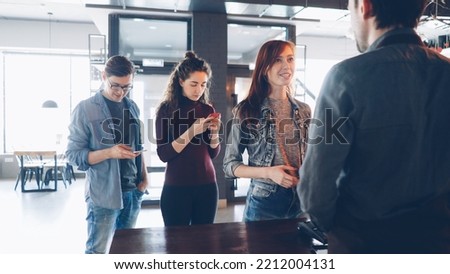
point(238, 83)
point(148, 92)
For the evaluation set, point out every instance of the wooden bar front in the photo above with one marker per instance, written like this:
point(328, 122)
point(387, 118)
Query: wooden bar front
point(262, 237)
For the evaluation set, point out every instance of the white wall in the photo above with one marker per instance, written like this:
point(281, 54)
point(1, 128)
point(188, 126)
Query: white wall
point(35, 34)
point(330, 48)
point(321, 54)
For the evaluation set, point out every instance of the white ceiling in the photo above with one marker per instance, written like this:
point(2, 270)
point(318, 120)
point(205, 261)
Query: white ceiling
point(314, 21)
point(309, 21)
point(62, 10)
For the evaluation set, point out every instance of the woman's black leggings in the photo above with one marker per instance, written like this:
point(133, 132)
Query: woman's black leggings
point(189, 205)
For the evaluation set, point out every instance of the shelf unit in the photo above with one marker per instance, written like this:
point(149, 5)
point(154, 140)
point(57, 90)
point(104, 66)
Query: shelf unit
point(97, 60)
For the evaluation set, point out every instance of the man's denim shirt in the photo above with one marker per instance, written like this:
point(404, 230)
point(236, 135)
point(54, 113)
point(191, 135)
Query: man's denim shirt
point(91, 129)
point(259, 137)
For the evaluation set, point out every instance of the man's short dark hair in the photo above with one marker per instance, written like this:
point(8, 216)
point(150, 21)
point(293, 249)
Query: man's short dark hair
point(397, 13)
point(119, 66)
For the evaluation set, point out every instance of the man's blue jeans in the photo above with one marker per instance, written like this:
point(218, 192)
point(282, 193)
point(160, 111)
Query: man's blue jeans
point(267, 201)
point(102, 222)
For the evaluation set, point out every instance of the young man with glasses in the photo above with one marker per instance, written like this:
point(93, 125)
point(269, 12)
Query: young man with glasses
point(105, 134)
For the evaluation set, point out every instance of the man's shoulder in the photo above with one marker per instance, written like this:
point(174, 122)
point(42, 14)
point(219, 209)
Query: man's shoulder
point(357, 67)
point(381, 60)
point(358, 61)
point(88, 105)
point(89, 101)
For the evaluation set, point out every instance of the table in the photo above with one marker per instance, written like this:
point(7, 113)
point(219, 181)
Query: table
point(262, 237)
point(41, 155)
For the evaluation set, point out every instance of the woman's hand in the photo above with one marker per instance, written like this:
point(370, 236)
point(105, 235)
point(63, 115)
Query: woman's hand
point(214, 127)
point(202, 124)
point(281, 175)
point(198, 127)
point(214, 122)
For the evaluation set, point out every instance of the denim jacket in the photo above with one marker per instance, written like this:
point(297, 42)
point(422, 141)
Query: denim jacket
point(259, 137)
point(90, 130)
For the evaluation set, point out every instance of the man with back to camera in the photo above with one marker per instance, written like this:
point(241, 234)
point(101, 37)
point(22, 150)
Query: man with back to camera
point(105, 140)
point(376, 176)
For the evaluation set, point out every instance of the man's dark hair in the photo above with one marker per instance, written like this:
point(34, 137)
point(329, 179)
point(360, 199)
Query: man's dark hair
point(119, 66)
point(397, 13)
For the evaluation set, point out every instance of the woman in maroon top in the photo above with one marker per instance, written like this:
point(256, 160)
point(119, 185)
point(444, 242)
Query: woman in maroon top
point(187, 139)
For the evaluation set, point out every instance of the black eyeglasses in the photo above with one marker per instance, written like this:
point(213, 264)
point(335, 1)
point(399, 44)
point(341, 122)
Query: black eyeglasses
point(117, 87)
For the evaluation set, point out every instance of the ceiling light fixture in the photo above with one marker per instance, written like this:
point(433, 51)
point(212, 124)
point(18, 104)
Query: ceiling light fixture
point(50, 104)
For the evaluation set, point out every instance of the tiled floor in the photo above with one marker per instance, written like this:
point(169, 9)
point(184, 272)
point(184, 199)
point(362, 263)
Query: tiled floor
point(53, 222)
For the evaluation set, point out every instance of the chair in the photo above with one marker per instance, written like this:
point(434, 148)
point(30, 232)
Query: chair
point(31, 166)
point(70, 173)
point(67, 168)
point(64, 169)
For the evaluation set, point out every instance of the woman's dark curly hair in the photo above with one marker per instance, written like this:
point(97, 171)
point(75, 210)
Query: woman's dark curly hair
point(182, 71)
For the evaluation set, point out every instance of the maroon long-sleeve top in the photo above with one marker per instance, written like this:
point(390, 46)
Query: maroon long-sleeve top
point(193, 165)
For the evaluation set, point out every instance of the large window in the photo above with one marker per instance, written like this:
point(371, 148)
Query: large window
point(244, 40)
point(149, 41)
point(29, 80)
